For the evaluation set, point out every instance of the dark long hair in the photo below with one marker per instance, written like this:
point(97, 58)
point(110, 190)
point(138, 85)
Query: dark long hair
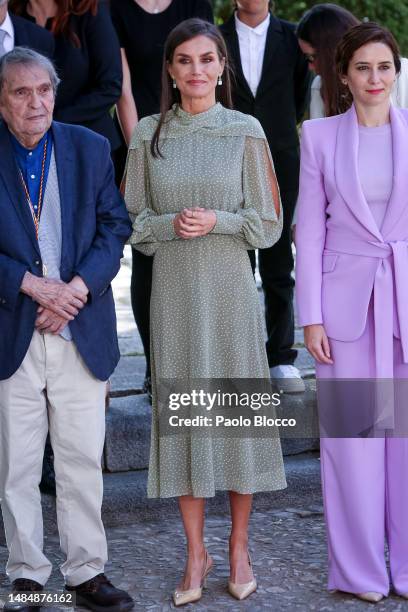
point(358, 36)
point(322, 27)
point(184, 31)
point(61, 23)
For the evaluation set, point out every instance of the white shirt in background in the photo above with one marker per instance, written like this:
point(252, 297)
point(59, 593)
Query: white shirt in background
point(252, 43)
point(7, 26)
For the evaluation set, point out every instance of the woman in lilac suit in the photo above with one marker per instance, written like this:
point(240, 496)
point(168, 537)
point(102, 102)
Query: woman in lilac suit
point(352, 294)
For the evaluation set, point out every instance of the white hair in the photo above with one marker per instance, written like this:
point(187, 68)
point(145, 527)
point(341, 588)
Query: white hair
point(22, 56)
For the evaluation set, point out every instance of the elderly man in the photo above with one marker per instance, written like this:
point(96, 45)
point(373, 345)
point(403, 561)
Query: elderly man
point(18, 32)
point(62, 230)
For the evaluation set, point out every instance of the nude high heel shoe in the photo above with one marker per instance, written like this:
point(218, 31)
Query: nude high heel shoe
point(180, 598)
point(370, 596)
point(244, 590)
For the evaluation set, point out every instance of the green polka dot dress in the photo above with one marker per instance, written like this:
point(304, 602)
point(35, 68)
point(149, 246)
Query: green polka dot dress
point(206, 320)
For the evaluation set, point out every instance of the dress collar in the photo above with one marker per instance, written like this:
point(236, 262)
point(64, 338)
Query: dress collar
point(187, 119)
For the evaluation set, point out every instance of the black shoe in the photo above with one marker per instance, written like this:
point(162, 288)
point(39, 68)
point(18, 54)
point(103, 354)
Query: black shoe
point(100, 595)
point(147, 388)
point(23, 585)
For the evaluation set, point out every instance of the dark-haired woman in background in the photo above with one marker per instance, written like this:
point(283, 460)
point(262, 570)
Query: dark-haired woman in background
point(87, 57)
point(201, 189)
point(319, 31)
point(142, 27)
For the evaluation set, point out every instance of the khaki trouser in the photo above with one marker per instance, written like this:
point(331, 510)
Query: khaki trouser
point(53, 372)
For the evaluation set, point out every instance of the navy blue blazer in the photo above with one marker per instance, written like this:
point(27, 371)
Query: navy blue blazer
point(95, 226)
point(28, 34)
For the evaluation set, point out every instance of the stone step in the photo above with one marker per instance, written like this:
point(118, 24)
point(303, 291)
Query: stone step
point(127, 439)
point(130, 372)
point(128, 429)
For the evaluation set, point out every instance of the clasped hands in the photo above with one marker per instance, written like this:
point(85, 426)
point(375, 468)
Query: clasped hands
point(194, 222)
point(59, 302)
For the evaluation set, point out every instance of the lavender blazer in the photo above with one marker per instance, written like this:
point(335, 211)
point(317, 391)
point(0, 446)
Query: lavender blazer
point(342, 256)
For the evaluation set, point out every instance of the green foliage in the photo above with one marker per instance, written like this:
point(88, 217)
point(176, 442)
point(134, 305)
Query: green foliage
point(391, 13)
point(222, 10)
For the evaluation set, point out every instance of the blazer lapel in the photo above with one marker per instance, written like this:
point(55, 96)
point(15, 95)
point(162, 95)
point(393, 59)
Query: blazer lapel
point(346, 171)
point(11, 177)
point(66, 184)
point(273, 39)
point(231, 38)
point(397, 202)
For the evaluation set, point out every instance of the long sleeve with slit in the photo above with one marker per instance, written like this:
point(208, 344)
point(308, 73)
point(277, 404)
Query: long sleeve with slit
point(206, 320)
point(246, 201)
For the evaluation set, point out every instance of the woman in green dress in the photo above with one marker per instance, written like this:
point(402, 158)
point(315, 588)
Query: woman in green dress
point(201, 191)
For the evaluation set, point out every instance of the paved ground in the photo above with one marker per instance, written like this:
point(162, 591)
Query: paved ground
point(288, 551)
point(146, 540)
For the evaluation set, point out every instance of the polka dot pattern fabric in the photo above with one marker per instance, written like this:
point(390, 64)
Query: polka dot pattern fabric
point(206, 320)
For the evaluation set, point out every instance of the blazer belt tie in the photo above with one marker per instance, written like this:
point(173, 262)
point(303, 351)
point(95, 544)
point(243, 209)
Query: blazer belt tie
point(386, 285)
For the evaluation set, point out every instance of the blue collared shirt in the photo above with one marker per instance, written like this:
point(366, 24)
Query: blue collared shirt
point(30, 163)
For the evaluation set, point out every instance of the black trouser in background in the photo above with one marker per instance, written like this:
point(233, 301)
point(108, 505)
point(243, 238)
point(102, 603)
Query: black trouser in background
point(119, 162)
point(141, 280)
point(275, 269)
point(140, 291)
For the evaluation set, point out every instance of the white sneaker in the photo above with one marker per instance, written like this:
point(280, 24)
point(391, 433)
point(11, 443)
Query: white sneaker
point(287, 378)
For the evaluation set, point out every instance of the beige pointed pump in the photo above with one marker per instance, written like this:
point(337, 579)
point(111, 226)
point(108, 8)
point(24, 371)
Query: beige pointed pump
point(370, 596)
point(244, 590)
point(180, 598)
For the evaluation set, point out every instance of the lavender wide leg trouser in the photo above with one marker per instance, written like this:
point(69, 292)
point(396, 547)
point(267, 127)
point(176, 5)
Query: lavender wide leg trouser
point(365, 487)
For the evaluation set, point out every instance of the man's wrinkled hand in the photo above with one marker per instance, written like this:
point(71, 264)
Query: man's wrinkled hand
point(79, 284)
point(48, 322)
point(65, 300)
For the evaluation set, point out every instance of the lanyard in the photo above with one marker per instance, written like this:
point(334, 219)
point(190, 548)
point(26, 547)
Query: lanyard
point(36, 215)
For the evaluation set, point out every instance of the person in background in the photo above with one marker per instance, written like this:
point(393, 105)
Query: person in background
point(351, 295)
point(201, 189)
point(318, 32)
point(272, 84)
point(87, 58)
point(17, 32)
point(142, 27)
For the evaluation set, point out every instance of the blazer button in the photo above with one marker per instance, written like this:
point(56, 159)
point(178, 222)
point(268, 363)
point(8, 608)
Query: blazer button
point(37, 263)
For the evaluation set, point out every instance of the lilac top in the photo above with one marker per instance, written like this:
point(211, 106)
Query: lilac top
point(375, 167)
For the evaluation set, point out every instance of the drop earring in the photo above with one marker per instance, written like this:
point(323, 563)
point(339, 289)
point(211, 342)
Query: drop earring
point(219, 82)
point(174, 84)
